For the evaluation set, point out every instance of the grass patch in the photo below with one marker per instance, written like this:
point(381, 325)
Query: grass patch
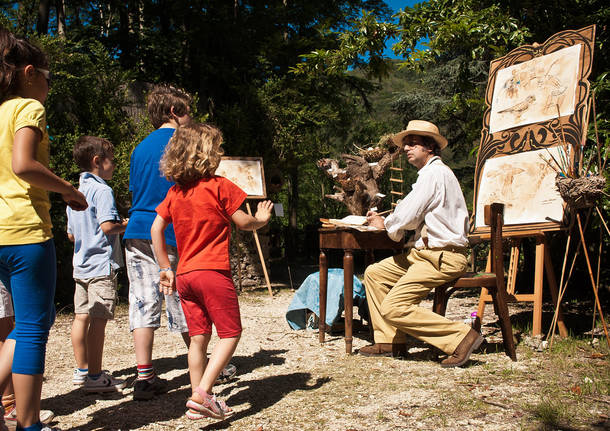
point(549, 412)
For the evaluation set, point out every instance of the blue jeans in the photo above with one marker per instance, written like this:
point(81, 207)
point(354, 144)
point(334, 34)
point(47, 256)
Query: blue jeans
point(29, 273)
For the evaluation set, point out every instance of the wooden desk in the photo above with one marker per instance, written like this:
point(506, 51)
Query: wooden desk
point(348, 240)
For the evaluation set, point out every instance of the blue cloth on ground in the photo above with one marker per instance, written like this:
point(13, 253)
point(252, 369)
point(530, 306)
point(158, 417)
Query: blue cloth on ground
point(307, 297)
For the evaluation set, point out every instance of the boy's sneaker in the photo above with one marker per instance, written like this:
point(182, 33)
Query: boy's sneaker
point(147, 389)
point(227, 374)
point(104, 383)
point(6, 424)
point(10, 417)
point(79, 377)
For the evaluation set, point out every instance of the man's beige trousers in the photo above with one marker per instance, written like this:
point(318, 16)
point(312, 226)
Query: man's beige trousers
point(394, 288)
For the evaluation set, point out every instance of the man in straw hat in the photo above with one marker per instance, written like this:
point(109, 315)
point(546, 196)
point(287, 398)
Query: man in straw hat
point(435, 209)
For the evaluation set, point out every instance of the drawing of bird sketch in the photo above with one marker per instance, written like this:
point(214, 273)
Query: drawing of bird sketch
point(530, 92)
point(246, 173)
point(525, 184)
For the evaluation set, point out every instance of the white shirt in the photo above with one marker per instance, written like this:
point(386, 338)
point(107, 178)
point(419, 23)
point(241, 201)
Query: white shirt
point(437, 202)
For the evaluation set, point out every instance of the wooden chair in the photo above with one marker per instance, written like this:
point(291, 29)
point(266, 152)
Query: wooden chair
point(493, 281)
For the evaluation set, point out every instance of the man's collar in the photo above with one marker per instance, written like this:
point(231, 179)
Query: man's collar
point(430, 160)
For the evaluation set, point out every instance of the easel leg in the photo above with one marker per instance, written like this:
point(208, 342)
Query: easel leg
point(538, 283)
point(238, 259)
point(260, 253)
point(513, 265)
point(550, 274)
point(483, 299)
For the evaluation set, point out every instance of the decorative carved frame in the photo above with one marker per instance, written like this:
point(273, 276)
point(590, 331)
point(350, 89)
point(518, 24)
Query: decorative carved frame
point(537, 135)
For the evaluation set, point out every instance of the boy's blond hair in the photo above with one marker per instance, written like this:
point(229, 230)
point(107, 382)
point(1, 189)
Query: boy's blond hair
point(192, 153)
point(161, 100)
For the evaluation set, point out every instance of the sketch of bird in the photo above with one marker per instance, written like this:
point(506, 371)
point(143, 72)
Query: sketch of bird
point(511, 86)
point(520, 107)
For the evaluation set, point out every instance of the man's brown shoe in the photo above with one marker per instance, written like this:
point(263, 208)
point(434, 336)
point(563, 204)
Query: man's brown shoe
point(384, 349)
point(462, 352)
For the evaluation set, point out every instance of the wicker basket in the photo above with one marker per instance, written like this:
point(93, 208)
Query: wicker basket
point(582, 192)
point(373, 154)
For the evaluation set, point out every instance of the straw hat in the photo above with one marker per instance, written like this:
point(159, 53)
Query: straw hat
point(421, 128)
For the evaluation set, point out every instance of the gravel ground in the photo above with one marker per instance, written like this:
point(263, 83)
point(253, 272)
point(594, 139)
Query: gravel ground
point(288, 381)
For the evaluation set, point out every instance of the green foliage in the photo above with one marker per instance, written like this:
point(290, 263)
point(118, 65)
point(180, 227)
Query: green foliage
point(473, 29)
point(366, 37)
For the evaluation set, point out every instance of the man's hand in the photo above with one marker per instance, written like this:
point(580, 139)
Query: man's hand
point(167, 282)
point(375, 220)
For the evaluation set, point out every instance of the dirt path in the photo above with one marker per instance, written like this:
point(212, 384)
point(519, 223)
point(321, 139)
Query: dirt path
point(288, 381)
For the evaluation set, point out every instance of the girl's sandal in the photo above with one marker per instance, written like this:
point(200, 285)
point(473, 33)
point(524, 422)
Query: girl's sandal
point(210, 407)
point(194, 415)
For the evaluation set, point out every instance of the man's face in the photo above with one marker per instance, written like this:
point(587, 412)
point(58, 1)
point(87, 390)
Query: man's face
point(417, 153)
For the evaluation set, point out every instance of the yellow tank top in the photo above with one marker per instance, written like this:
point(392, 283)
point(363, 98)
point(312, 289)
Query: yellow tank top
point(24, 209)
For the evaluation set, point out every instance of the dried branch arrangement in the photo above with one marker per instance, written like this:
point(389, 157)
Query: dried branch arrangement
point(357, 182)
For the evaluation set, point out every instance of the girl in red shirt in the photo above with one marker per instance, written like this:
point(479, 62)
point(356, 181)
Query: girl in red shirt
point(202, 206)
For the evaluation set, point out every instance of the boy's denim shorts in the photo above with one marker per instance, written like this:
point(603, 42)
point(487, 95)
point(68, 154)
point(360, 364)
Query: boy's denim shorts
point(96, 296)
point(145, 300)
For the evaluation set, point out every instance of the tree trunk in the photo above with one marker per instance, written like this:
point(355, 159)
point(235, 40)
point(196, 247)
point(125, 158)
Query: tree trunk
point(42, 24)
point(61, 18)
point(291, 232)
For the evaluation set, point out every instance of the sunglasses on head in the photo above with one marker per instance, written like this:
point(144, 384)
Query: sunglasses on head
point(46, 74)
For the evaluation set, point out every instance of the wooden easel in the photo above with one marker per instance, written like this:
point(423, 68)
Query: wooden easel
point(568, 129)
point(543, 265)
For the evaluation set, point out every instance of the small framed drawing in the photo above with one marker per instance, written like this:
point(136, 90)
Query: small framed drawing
point(246, 172)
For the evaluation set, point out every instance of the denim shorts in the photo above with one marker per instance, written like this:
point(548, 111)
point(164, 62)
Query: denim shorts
point(6, 303)
point(145, 300)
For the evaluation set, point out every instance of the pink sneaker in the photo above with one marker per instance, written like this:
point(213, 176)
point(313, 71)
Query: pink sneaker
point(210, 407)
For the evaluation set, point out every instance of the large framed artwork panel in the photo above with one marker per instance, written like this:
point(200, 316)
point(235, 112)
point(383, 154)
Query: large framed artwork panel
point(537, 111)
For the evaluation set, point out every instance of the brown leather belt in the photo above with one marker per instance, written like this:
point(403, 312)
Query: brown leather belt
point(452, 248)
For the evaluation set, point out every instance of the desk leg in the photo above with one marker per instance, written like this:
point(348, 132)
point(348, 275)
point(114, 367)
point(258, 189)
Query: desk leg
point(323, 286)
point(348, 297)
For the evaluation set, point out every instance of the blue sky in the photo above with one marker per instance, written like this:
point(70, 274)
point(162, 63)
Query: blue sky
point(396, 5)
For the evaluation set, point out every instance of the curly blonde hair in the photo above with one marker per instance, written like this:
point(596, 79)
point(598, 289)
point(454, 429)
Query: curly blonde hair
point(192, 153)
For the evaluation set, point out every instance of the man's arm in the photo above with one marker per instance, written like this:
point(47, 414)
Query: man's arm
point(410, 212)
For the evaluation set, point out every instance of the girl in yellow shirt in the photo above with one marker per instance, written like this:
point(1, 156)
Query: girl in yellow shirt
point(27, 251)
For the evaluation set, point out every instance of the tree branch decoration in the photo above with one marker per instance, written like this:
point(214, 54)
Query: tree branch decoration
point(357, 184)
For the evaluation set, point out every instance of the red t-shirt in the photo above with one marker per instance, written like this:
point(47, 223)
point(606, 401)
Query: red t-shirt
point(201, 215)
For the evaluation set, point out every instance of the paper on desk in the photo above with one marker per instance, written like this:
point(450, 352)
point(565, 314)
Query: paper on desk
point(351, 221)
